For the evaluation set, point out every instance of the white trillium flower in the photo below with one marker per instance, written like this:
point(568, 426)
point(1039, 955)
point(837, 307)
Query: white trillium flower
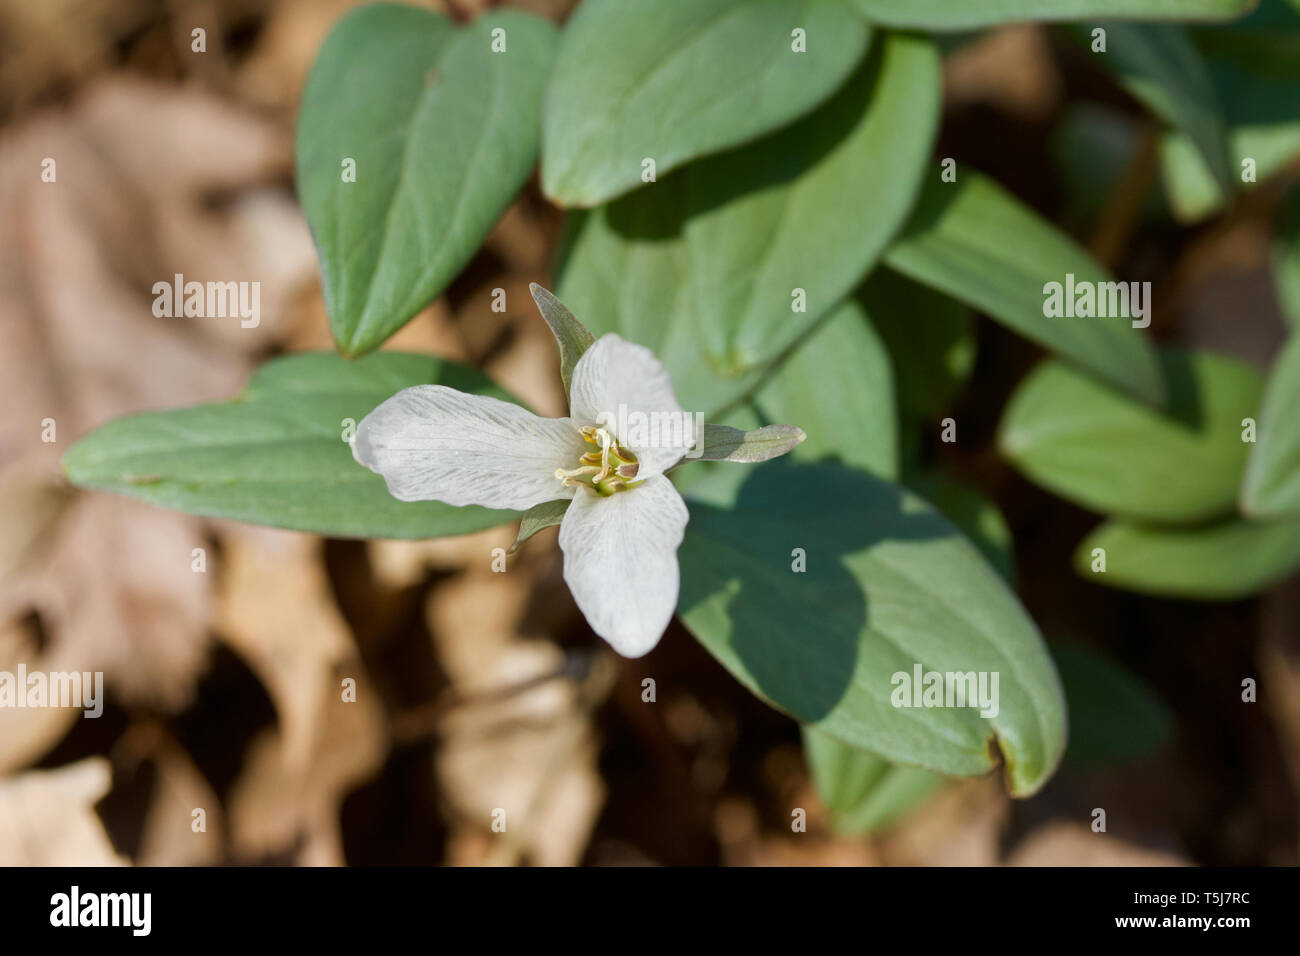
point(625, 521)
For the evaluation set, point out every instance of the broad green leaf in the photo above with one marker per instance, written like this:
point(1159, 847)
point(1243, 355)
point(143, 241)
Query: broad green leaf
point(1222, 562)
point(839, 388)
point(1112, 454)
point(538, 518)
point(724, 443)
point(782, 226)
point(708, 266)
point(675, 80)
point(1190, 187)
point(1272, 484)
point(1286, 257)
point(1162, 68)
point(965, 14)
point(863, 792)
point(571, 336)
point(977, 517)
point(1114, 716)
point(1270, 31)
point(1255, 68)
point(887, 585)
point(442, 131)
point(930, 337)
point(277, 454)
point(897, 792)
point(976, 242)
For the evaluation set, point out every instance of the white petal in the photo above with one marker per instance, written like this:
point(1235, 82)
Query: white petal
point(433, 443)
point(615, 382)
point(620, 561)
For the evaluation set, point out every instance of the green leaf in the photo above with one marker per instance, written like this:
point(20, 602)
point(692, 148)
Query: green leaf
point(1286, 257)
point(1114, 716)
point(1222, 562)
point(839, 387)
point(930, 337)
point(977, 517)
point(863, 792)
point(724, 443)
point(1270, 32)
point(975, 242)
point(1255, 67)
point(1161, 67)
point(965, 14)
point(571, 336)
point(538, 518)
point(443, 133)
point(277, 455)
point(888, 584)
point(703, 267)
point(1272, 484)
point(1190, 187)
point(1109, 453)
point(675, 80)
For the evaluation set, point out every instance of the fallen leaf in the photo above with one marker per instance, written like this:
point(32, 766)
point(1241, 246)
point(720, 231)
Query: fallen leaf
point(47, 817)
point(284, 803)
point(27, 733)
point(959, 826)
point(121, 595)
point(171, 834)
point(519, 750)
point(276, 611)
point(1062, 843)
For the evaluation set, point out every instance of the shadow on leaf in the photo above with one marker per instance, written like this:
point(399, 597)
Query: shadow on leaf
point(793, 633)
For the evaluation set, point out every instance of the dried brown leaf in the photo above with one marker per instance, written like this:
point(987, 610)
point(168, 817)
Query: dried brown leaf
point(47, 817)
point(1062, 843)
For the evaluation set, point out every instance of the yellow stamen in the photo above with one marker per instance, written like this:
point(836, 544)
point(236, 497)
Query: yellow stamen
point(573, 477)
point(609, 470)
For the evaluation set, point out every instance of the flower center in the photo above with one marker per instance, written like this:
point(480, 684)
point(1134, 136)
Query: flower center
point(607, 469)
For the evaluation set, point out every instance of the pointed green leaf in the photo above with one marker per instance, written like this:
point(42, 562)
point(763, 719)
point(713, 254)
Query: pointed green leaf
point(1192, 192)
point(675, 80)
point(278, 455)
point(538, 518)
point(1286, 257)
point(710, 266)
point(1272, 484)
point(978, 518)
point(887, 584)
point(977, 243)
point(571, 336)
point(839, 387)
point(966, 14)
point(1161, 67)
point(1255, 67)
point(442, 132)
point(930, 337)
point(724, 443)
point(1222, 562)
point(1107, 452)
